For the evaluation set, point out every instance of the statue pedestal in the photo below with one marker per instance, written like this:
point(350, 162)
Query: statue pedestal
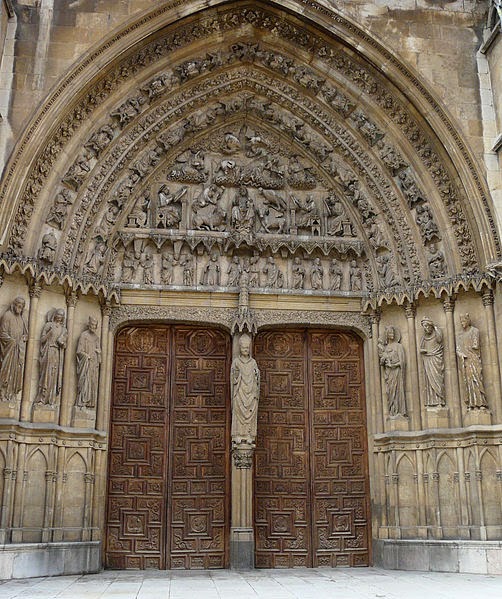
point(437, 417)
point(477, 416)
point(397, 423)
point(45, 413)
point(84, 418)
point(9, 409)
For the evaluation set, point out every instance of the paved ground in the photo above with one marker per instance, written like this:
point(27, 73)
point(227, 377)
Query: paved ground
point(363, 583)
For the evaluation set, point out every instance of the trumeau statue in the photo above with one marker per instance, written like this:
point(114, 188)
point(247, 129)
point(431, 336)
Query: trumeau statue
point(432, 351)
point(393, 362)
point(52, 345)
point(469, 353)
point(245, 378)
point(88, 362)
point(13, 337)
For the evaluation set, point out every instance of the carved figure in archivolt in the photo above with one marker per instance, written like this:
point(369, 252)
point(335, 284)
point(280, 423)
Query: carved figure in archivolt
point(13, 337)
point(48, 248)
point(432, 351)
point(245, 378)
point(52, 345)
point(469, 352)
point(88, 362)
point(393, 362)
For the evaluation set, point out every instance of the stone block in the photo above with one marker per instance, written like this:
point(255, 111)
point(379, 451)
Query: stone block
point(413, 556)
point(443, 557)
point(472, 559)
point(494, 560)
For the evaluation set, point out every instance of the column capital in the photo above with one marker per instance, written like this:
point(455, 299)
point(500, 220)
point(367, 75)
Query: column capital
point(487, 297)
point(71, 299)
point(410, 310)
point(35, 290)
point(375, 317)
point(448, 304)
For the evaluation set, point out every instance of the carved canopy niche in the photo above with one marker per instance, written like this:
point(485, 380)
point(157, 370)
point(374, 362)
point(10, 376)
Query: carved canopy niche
point(244, 138)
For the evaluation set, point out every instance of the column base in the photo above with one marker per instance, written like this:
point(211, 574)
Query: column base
point(242, 548)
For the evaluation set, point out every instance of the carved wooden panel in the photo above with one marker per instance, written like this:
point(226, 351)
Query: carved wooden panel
point(168, 482)
point(311, 478)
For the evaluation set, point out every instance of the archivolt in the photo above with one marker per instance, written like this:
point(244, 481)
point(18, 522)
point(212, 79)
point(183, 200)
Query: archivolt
point(347, 89)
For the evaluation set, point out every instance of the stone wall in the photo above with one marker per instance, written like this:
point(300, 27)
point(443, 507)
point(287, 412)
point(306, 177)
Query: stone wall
point(93, 228)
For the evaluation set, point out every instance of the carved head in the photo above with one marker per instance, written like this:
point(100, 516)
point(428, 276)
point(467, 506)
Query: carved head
point(58, 316)
point(245, 345)
point(18, 305)
point(92, 324)
point(465, 320)
point(427, 325)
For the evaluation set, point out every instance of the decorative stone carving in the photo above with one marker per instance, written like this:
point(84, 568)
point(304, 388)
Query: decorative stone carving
point(428, 228)
point(51, 358)
point(335, 275)
point(234, 272)
point(432, 351)
point(436, 261)
point(186, 263)
point(469, 352)
point(88, 365)
point(147, 264)
point(316, 274)
point(59, 210)
point(298, 272)
point(95, 258)
point(167, 272)
point(212, 272)
point(275, 278)
point(48, 248)
point(393, 362)
point(245, 380)
point(207, 212)
point(169, 207)
point(355, 277)
point(13, 337)
point(386, 273)
point(100, 139)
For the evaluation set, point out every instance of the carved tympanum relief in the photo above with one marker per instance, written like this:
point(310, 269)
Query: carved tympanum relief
point(13, 337)
point(161, 205)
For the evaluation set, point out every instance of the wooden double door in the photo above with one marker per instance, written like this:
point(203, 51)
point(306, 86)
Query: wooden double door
point(311, 498)
point(168, 476)
point(168, 502)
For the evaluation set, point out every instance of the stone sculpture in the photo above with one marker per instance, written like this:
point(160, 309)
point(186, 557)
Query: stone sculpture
point(234, 272)
point(316, 274)
point(393, 361)
point(211, 273)
point(48, 248)
point(52, 345)
point(335, 275)
point(245, 378)
point(13, 337)
point(88, 361)
point(275, 278)
point(469, 352)
point(298, 271)
point(432, 351)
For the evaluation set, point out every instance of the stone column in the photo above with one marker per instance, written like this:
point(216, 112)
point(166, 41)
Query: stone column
point(414, 408)
point(68, 394)
point(375, 364)
point(453, 398)
point(491, 364)
point(244, 368)
point(242, 532)
point(35, 292)
point(421, 495)
point(103, 398)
